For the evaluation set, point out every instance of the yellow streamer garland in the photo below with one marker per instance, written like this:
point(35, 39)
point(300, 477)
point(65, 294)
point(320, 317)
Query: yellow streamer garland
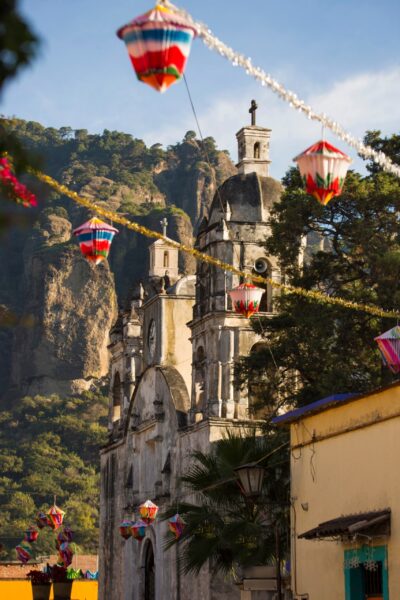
point(313, 295)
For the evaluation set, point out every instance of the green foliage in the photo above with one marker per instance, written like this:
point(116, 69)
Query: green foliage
point(223, 526)
point(75, 157)
point(50, 446)
point(313, 350)
point(17, 42)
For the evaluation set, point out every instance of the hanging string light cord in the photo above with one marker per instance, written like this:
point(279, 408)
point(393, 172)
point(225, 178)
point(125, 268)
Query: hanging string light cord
point(312, 295)
point(212, 171)
point(239, 60)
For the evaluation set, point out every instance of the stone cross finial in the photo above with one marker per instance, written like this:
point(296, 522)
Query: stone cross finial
point(164, 224)
point(252, 111)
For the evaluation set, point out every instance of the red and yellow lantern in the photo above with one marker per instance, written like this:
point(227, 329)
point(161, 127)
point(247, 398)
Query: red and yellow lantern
point(125, 528)
point(158, 45)
point(31, 534)
point(55, 517)
point(41, 520)
point(139, 530)
point(323, 169)
point(148, 511)
point(176, 524)
point(389, 347)
point(24, 551)
point(246, 299)
point(95, 238)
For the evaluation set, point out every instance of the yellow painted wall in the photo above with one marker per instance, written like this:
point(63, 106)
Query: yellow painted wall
point(345, 460)
point(22, 590)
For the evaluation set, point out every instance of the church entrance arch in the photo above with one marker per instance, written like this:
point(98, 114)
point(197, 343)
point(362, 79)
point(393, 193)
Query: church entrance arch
point(149, 572)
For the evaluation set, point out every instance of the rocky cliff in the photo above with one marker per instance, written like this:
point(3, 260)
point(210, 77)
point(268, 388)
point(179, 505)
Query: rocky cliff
point(55, 308)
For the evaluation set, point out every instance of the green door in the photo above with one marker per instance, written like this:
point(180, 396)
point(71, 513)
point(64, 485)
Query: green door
point(362, 583)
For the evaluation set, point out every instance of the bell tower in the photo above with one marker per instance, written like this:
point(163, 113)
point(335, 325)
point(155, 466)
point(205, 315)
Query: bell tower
point(163, 258)
point(235, 232)
point(253, 145)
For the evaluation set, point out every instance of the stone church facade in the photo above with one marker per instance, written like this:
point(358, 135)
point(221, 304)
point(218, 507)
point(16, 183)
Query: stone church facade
point(172, 355)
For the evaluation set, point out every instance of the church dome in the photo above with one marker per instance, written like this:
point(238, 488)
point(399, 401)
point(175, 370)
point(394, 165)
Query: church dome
point(245, 198)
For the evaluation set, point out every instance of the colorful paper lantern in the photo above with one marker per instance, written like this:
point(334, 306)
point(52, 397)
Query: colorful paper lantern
point(148, 511)
point(74, 573)
point(24, 551)
point(41, 520)
point(389, 347)
point(65, 554)
point(125, 528)
point(68, 534)
point(31, 534)
point(246, 299)
point(61, 539)
point(95, 238)
point(158, 45)
point(139, 530)
point(176, 525)
point(55, 517)
point(323, 169)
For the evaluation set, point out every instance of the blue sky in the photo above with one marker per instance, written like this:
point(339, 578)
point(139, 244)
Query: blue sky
point(341, 56)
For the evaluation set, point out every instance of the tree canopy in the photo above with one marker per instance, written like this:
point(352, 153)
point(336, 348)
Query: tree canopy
point(311, 349)
point(50, 446)
point(222, 525)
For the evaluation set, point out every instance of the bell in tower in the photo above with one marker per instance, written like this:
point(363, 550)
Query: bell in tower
point(253, 147)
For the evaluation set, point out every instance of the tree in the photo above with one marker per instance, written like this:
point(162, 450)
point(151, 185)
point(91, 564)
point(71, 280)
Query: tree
point(223, 526)
point(17, 42)
point(50, 445)
point(313, 350)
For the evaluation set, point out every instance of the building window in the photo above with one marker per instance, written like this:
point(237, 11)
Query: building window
point(257, 150)
point(366, 574)
point(166, 259)
point(116, 398)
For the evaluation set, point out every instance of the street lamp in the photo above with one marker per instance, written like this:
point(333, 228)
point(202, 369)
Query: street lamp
point(250, 479)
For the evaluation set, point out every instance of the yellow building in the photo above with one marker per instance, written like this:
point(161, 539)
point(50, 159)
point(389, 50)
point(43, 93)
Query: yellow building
point(345, 495)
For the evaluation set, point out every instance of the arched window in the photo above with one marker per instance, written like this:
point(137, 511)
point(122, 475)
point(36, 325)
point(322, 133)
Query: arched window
point(199, 378)
point(166, 259)
point(116, 397)
point(149, 572)
point(257, 150)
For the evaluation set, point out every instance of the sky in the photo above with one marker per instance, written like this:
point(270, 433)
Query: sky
point(340, 56)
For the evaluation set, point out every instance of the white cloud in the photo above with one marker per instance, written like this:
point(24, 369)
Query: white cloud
point(365, 101)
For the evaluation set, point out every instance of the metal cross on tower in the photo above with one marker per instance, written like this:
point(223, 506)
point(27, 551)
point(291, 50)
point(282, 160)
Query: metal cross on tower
point(164, 224)
point(252, 111)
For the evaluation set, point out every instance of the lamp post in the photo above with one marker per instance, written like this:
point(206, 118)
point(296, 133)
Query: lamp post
point(250, 479)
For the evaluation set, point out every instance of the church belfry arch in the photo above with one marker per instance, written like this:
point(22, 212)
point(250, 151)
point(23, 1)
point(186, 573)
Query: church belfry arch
point(116, 398)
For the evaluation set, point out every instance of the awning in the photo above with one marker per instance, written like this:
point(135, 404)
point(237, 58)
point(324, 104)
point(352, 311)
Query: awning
point(374, 523)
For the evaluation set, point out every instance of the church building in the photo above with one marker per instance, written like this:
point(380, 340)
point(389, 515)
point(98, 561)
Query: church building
point(171, 369)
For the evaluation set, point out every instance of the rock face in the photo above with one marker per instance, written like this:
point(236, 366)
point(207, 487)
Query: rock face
point(62, 347)
point(56, 309)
